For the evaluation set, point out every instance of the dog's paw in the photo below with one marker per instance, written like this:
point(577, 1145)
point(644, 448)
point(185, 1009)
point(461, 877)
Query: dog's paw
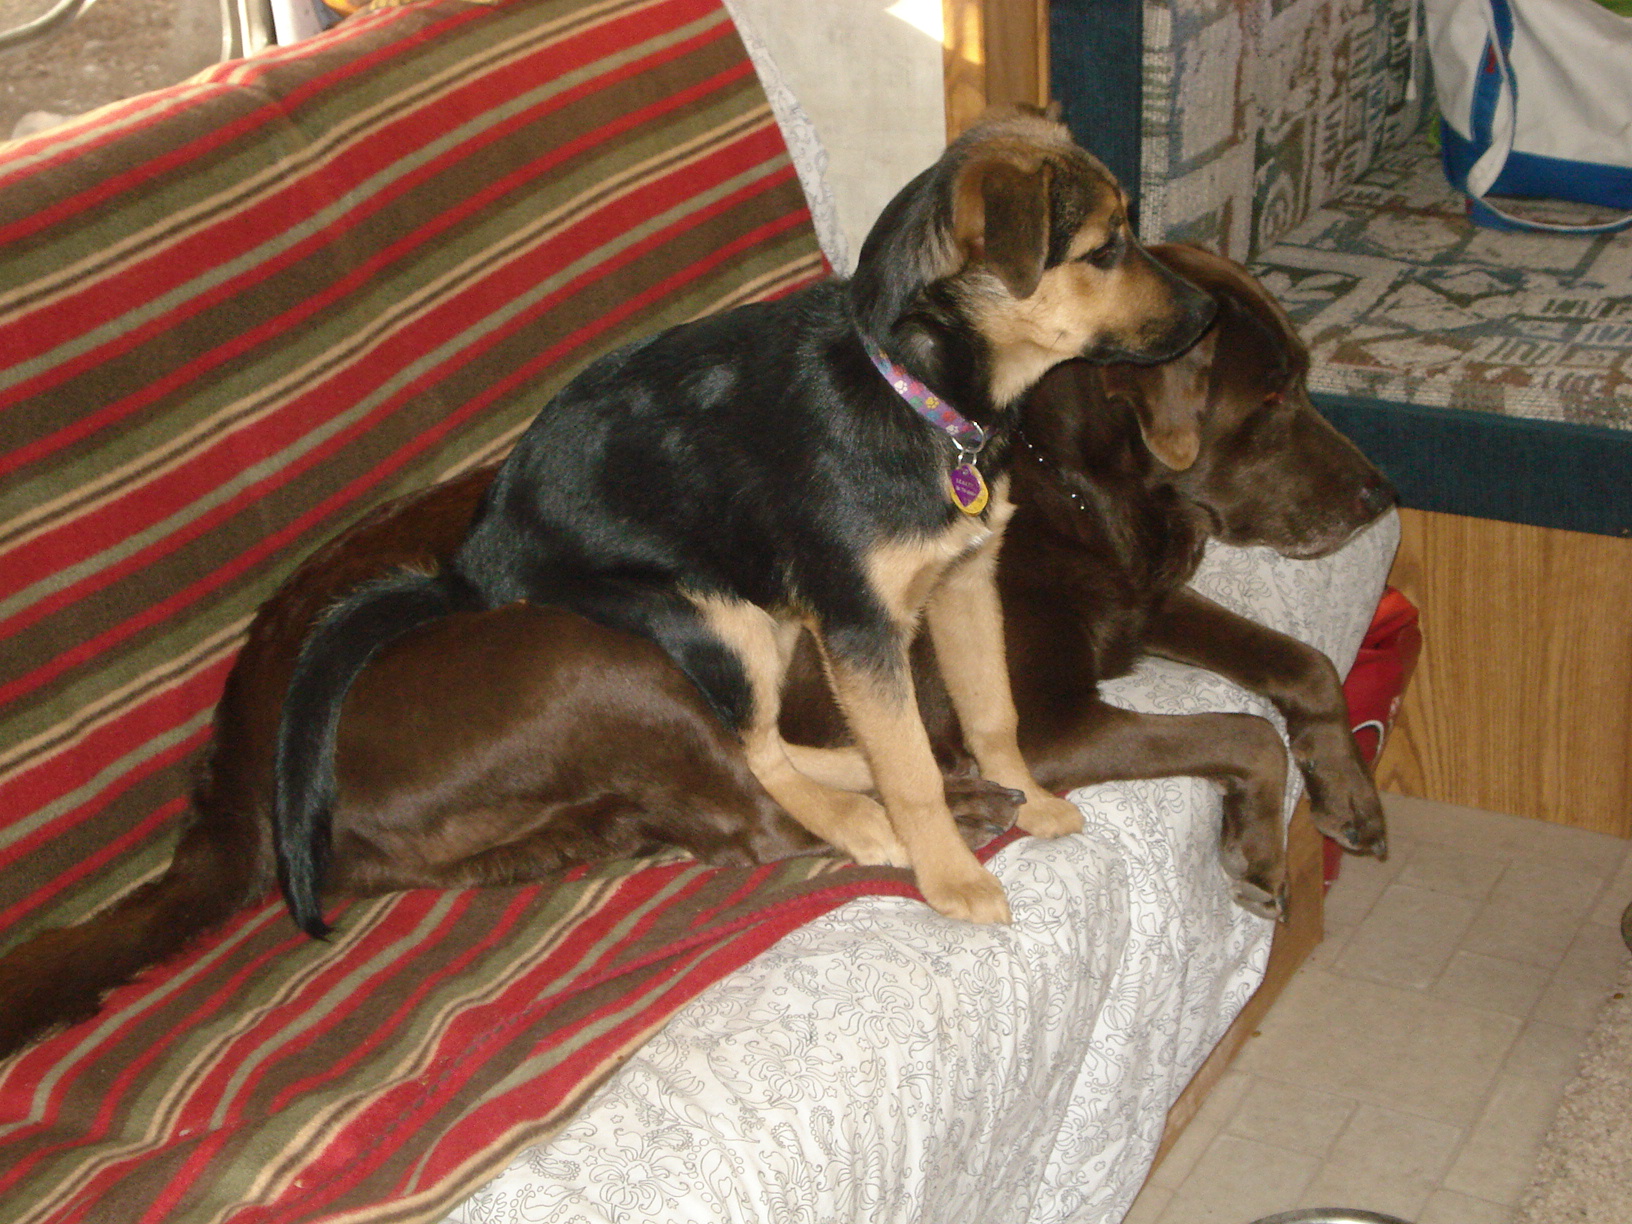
point(866, 835)
point(1256, 899)
point(1050, 816)
point(983, 810)
point(1257, 881)
point(1346, 807)
point(974, 897)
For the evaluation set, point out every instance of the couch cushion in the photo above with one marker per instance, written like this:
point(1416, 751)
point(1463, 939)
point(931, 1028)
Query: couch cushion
point(1488, 372)
point(235, 314)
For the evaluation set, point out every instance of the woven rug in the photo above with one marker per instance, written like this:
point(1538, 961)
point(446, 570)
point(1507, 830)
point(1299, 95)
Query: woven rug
point(1584, 1172)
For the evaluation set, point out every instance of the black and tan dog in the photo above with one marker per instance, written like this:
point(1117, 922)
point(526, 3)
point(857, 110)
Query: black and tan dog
point(725, 483)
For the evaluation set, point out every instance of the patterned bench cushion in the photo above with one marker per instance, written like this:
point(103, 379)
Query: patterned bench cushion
point(1489, 373)
point(234, 315)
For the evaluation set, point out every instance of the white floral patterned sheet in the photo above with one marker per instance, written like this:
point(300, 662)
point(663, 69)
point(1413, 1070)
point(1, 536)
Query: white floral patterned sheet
point(886, 1064)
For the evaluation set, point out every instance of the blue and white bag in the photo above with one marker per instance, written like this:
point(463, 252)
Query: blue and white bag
point(1536, 97)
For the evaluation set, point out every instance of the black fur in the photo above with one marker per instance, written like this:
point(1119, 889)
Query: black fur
point(342, 645)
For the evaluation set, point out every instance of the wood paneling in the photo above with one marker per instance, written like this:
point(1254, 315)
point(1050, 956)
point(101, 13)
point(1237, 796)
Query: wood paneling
point(995, 51)
point(1522, 700)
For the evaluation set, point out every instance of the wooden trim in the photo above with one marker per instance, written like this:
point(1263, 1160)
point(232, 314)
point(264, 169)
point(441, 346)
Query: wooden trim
point(1294, 940)
point(994, 51)
point(1522, 700)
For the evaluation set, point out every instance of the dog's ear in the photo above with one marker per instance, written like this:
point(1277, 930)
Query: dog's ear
point(1002, 221)
point(1170, 399)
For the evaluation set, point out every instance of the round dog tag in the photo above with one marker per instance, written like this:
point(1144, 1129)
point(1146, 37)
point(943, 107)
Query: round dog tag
point(968, 488)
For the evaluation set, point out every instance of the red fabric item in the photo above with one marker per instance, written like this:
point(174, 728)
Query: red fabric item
point(1376, 685)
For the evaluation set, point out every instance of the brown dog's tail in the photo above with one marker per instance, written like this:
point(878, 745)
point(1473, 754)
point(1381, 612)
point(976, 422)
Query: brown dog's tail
point(59, 977)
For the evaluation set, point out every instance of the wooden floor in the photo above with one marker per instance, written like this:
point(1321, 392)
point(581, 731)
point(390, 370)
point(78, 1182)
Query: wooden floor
point(1522, 700)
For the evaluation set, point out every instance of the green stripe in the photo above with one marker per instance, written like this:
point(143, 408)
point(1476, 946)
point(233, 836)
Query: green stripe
point(385, 390)
point(308, 157)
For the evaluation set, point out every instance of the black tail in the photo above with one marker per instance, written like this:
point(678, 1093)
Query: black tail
point(331, 658)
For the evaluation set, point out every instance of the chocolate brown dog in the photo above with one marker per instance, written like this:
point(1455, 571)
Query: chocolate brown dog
point(1122, 475)
point(562, 741)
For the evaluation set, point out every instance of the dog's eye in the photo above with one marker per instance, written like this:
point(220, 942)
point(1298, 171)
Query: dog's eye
point(1106, 254)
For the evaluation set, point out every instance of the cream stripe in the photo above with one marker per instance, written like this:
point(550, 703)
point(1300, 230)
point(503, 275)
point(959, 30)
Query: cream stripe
point(764, 285)
point(313, 157)
point(279, 242)
point(160, 1119)
point(286, 388)
point(70, 732)
point(208, 432)
point(412, 1060)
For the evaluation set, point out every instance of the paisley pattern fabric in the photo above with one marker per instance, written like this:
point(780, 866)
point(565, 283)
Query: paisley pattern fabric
point(1403, 299)
point(886, 1064)
point(1257, 111)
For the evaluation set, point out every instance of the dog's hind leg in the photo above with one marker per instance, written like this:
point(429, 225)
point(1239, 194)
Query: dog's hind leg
point(1303, 685)
point(853, 823)
point(1086, 741)
point(841, 768)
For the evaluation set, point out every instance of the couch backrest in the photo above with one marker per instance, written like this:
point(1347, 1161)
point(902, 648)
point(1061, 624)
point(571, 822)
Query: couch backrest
point(1256, 113)
point(236, 313)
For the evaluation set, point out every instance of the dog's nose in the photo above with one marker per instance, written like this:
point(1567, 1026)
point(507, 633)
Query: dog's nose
point(1377, 497)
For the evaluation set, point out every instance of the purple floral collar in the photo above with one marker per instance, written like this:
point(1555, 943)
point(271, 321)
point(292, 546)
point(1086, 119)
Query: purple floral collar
point(964, 482)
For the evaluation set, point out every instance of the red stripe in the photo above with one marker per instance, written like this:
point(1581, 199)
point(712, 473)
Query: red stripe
point(248, 73)
point(324, 184)
point(215, 254)
point(335, 1072)
point(131, 1078)
point(291, 471)
point(539, 1097)
point(77, 764)
point(147, 827)
point(404, 1108)
point(49, 549)
point(113, 1050)
point(221, 1133)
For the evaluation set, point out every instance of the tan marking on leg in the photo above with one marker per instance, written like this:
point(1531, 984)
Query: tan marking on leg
point(884, 718)
point(965, 617)
point(842, 768)
point(853, 823)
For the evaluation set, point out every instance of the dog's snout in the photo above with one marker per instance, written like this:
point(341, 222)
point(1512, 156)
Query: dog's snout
point(1191, 313)
point(1378, 496)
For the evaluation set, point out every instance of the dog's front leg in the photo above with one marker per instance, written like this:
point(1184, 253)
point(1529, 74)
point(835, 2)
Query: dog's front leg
point(965, 618)
point(1304, 687)
point(883, 715)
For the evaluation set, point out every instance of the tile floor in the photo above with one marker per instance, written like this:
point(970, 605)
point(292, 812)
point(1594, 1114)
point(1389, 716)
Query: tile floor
point(1415, 1061)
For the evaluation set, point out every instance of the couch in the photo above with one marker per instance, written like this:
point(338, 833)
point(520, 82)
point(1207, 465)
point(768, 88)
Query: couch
point(237, 313)
point(1488, 373)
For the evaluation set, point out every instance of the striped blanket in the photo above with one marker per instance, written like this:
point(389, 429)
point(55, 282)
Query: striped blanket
point(234, 315)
